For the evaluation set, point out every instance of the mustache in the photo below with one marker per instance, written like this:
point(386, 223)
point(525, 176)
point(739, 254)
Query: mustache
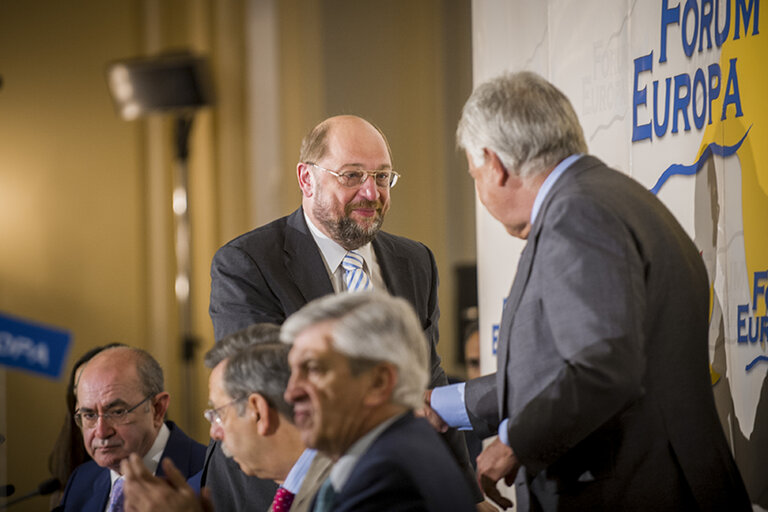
point(363, 204)
point(105, 443)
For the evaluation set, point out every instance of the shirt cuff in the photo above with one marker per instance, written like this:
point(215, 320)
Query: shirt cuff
point(503, 433)
point(448, 402)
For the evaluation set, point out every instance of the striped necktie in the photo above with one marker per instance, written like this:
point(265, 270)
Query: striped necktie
point(354, 275)
point(116, 500)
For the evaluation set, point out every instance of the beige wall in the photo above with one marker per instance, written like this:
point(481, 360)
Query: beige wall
point(85, 218)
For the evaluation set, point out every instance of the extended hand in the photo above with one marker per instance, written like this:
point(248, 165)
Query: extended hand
point(429, 413)
point(146, 492)
point(497, 461)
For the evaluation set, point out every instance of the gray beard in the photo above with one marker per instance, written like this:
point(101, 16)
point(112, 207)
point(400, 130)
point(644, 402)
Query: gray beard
point(346, 232)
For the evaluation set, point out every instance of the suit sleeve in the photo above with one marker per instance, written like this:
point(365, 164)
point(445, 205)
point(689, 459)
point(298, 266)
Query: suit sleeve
point(577, 349)
point(240, 295)
point(431, 331)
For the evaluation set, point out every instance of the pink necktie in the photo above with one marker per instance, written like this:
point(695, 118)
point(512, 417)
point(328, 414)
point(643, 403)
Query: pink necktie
point(283, 500)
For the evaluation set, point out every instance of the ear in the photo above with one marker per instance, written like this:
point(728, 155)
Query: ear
point(262, 414)
point(306, 179)
point(499, 173)
point(159, 407)
point(383, 378)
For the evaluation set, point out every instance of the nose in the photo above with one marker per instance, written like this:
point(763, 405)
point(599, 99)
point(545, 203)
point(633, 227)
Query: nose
point(103, 428)
point(368, 189)
point(291, 390)
point(216, 432)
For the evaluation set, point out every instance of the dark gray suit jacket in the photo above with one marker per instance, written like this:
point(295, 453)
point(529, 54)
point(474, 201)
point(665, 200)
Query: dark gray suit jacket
point(603, 362)
point(269, 273)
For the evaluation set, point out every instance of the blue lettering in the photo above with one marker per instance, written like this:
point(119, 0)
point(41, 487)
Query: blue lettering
point(690, 5)
point(706, 22)
point(753, 336)
point(699, 80)
point(681, 103)
point(742, 310)
point(732, 91)
point(746, 12)
point(714, 92)
point(668, 17)
point(639, 97)
point(720, 37)
point(661, 129)
point(758, 289)
point(764, 328)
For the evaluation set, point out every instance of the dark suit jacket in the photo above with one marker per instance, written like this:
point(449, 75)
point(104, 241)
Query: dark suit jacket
point(269, 273)
point(88, 488)
point(603, 359)
point(407, 468)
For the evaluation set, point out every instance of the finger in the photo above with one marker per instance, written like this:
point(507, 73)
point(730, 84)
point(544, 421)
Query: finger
point(173, 475)
point(205, 500)
point(493, 493)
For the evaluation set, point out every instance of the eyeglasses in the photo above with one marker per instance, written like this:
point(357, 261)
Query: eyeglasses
point(214, 415)
point(116, 416)
point(384, 178)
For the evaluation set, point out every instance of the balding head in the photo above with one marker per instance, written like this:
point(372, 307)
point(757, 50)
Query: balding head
point(126, 384)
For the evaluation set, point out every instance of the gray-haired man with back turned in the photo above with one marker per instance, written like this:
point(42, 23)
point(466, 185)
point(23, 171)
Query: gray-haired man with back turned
point(602, 392)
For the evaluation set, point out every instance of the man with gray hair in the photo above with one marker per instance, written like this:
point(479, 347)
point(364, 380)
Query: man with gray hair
point(359, 368)
point(602, 392)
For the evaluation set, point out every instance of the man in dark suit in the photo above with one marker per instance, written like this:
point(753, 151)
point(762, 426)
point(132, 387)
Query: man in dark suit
point(359, 367)
point(602, 392)
point(345, 174)
point(121, 408)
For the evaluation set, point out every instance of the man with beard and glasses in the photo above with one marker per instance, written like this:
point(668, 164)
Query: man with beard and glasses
point(331, 244)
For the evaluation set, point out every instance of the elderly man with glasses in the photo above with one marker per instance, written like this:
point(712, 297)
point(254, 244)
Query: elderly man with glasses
point(332, 243)
point(120, 408)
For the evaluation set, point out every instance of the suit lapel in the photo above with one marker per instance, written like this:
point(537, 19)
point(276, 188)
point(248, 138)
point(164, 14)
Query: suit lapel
point(395, 269)
point(303, 259)
point(508, 316)
point(102, 485)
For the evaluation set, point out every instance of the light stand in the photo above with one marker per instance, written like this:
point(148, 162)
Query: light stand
point(179, 84)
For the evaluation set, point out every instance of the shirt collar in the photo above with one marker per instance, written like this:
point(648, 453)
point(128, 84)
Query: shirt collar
point(299, 470)
point(341, 471)
point(332, 252)
point(152, 458)
point(549, 182)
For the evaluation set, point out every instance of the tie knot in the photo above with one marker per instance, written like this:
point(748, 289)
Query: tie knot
point(283, 500)
point(353, 260)
point(354, 274)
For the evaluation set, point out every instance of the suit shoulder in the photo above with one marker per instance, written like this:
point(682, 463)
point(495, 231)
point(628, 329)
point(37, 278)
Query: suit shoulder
point(268, 233)
point(402, 244)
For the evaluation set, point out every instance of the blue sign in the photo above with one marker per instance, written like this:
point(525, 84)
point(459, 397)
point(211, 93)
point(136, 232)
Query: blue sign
point(33, 347)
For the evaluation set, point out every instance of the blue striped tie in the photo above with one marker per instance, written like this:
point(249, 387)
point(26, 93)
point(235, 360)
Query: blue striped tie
point(354, 275)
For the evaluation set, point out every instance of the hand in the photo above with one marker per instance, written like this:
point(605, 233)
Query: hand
point(429, 413)
point(146, 492)
point(497, 461)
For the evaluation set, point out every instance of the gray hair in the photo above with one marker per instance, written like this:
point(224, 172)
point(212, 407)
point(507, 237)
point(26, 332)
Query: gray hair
point(528, 122)
point(262, 369)
point(234, 343)
point(150, 372)
point(370, 328)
